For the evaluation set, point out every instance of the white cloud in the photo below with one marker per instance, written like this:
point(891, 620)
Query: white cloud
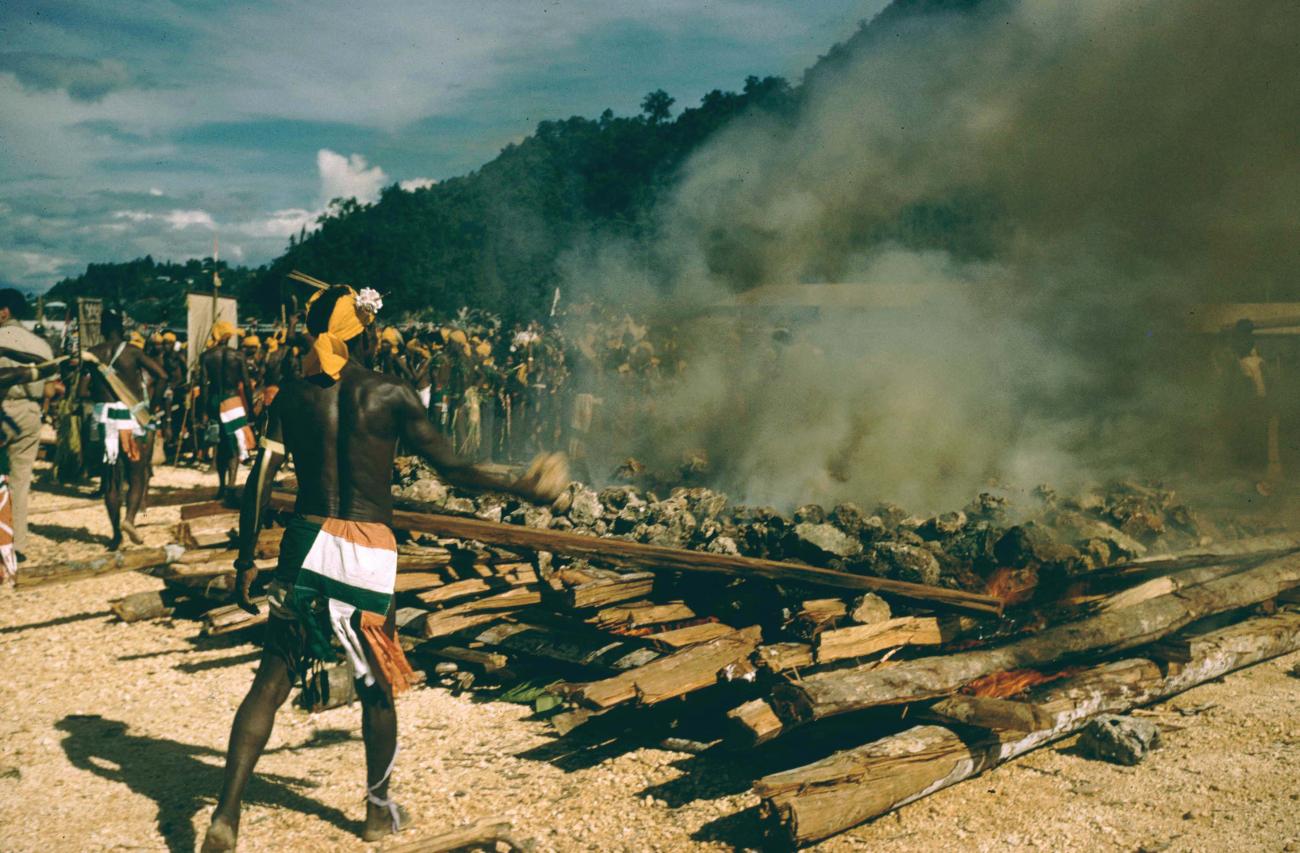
point(155, 191)
point(348, 177)
point(23, 263)
point(417, 184)
point(279, 223)
point(182, 219)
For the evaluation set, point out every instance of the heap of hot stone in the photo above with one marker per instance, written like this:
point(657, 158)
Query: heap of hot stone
point(990, 544)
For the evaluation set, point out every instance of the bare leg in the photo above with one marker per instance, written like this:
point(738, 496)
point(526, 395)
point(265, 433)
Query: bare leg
point(248, 738)
point(223, 468)
point(379, 730)
point(137, 486)
point(111, 483)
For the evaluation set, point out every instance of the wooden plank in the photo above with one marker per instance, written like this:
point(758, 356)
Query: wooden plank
point(680, 638)
point(658, 558)
point(864, 640)
point(779, 657)
point(640, 614)
point(677, 674)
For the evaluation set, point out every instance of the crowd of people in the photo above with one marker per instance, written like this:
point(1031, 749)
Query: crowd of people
point(499, 393)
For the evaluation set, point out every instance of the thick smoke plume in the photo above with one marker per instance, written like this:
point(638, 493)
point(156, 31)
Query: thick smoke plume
point(1053, 186)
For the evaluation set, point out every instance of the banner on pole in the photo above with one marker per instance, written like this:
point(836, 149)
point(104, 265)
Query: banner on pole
point(201, 319)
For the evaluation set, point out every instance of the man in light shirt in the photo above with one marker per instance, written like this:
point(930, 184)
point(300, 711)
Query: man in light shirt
point(21, 423)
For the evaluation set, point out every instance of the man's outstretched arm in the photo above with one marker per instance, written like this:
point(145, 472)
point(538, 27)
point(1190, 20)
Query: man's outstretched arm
point(257, 492)
point(542, 483)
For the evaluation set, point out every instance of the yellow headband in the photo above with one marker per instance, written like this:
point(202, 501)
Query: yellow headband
point(137, 340)
point(221, 332)
point(329, 353)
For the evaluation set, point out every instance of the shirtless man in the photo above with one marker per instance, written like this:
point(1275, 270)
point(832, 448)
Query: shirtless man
point(341, 423)
point(128, 447)
point(225, 391)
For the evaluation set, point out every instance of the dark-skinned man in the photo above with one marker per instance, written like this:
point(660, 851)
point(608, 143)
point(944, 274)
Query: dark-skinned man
point(340, 422)
point(21, 408)
point(128, 446)
point(225, 384)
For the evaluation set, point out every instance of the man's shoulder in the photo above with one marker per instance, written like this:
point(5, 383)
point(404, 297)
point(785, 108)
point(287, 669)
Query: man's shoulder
point(16, 336)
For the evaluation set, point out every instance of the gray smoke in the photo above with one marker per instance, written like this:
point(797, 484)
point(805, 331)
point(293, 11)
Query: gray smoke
point(1052, 185)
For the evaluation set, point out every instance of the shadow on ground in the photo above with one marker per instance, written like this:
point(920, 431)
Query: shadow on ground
point(181, 778)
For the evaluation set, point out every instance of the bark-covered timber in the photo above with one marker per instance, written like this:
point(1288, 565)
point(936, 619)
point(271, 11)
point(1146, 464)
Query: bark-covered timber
point(138, 606)
point(827, 694)
point(816, 801)
point(133, 560)
point(658, 558)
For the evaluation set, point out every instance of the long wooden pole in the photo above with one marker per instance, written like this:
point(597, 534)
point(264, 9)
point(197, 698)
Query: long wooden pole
point(117, 561)
point(660, 559)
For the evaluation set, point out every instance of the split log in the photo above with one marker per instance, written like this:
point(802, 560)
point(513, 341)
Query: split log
point(827, 694)
point(1164, 585)
point(417, 581)
point(658, 558)
point(232, 617)
point(585, 588)
point(567, 645)
point(443, 623)
point(753, 723)
point(640, 614)
point(863, 640)
point(813, 802)
point(460, 590)
point(816, 615)
point(677, 674)
point(680, 638)
point(151, 604)
point(134, 560)
point(780, 657)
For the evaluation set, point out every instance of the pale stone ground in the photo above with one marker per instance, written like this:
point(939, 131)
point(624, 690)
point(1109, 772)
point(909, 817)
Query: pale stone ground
point(111, 738)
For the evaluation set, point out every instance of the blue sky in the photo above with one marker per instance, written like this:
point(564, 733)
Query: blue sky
point(148, 126)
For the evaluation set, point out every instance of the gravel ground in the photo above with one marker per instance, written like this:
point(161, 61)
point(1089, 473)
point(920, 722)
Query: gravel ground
point(113, 738)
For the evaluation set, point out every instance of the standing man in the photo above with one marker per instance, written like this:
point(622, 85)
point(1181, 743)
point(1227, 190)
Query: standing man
point(22, 410)
point(225, 390)
point(338, 560)
point(128, 445)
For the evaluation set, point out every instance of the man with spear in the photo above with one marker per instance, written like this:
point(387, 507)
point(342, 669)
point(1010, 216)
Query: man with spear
point(340, 422)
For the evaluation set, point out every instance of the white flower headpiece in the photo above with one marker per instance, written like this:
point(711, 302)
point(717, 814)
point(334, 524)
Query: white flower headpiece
point(369, 300)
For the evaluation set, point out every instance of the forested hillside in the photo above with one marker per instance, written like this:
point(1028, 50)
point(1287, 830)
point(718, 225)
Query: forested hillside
point(491, 238)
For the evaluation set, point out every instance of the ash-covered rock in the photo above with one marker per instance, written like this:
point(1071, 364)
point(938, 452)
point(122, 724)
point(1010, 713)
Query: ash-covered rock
point(993, 544)
point(1119, 739)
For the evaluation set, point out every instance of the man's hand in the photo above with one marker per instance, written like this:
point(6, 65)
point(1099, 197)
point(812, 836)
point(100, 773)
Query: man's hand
point(546, 477)
point(246, 572)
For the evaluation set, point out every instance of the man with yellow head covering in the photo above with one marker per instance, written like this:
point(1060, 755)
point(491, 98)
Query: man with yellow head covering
point(226, 388)
point(334, 584)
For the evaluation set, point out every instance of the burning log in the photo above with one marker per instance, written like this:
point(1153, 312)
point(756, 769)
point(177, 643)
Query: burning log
point(827, 694)
point(813, 802)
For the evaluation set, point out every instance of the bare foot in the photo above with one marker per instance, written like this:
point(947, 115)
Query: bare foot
point(115, 544)
point(221, 838)
point(129, 529)
point(379, 823)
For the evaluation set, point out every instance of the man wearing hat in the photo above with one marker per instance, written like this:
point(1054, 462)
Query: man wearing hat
point(224, 383)
point(22, 409)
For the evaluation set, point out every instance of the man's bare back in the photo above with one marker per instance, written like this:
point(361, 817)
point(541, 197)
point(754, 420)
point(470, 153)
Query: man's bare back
point(343, 436)
point(131, 366)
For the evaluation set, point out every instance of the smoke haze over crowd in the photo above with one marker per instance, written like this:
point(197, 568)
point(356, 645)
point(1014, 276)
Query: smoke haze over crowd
point(1100, 170)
